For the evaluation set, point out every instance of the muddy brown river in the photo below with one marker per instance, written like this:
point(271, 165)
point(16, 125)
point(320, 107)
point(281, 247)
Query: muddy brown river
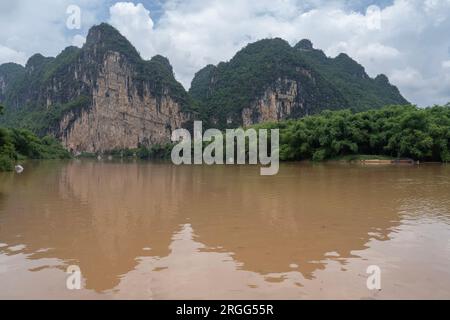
point(157, 231)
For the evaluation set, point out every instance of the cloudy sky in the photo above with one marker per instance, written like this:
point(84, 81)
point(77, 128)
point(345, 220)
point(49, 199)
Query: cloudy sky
point(408, 40)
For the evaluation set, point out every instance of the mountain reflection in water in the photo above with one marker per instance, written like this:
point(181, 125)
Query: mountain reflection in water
point(156, 231)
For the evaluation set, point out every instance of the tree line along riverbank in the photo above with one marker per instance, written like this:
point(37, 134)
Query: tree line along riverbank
point(395, 131)
point(391, 132)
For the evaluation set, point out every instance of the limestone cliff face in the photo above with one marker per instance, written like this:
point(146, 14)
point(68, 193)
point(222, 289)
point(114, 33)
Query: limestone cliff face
point(2, 86)
point(286, 98)
point(278, 102)
point(120, 116)
point(97, 98)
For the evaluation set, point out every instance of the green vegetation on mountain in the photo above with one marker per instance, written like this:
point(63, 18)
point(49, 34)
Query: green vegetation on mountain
point(104, 38)
point(202, 82)
point(394, 131)
point(27, 88)
point(325, 83)
point(352, 81)
point(58, 66)
point(24, 98)
point(19, 144)
point(45, 120)
point(9, 73)
point(159, 72)
point(224, 91)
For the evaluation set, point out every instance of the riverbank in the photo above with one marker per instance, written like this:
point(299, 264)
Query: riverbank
point(20, 144)
point(390, 133)
point(387, 134)
point(421, 134)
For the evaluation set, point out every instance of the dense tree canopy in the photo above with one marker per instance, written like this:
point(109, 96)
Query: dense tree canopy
point(17, 144)
point(390, 132)
point(395, 131)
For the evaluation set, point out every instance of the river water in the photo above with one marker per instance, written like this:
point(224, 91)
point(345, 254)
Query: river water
point(157, 231)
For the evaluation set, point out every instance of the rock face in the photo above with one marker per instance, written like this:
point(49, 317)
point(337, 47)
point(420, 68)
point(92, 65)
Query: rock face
point(284, 99)
point(102, 97)
point(119, 116)
point(277, 103)
point(2, 87)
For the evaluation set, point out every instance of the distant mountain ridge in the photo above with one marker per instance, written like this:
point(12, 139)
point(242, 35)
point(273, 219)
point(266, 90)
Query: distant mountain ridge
point(104, 96)
point(361, 91)
point(269, 81)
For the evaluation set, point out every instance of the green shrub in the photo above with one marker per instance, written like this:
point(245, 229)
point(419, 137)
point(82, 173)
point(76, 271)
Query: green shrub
point(19, 144)
point(6, 163)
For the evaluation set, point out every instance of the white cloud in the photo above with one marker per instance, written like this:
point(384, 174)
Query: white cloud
point(406, 40)
point(411, 80)
point(10, 55)
point(446, 64)
point(408, 78)
point(78, 40)
point(135, 24)
point(30, 27)
point(377, 50)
